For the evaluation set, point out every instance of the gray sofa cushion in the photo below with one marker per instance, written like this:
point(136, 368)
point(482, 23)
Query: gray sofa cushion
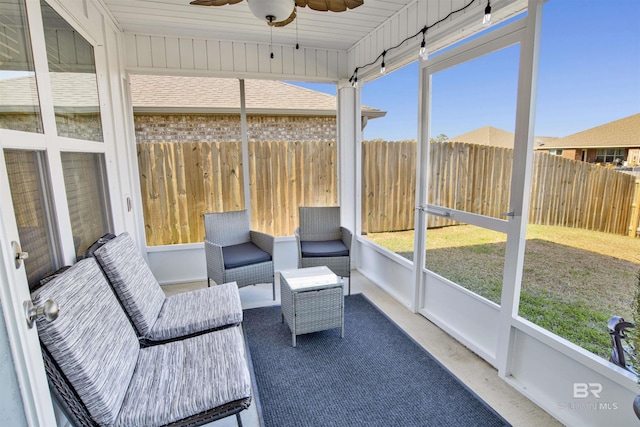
point(196, 311)
point(186, 377)
point(243, 254)
point(325, 248)
point(92, 340)
point(133, 281)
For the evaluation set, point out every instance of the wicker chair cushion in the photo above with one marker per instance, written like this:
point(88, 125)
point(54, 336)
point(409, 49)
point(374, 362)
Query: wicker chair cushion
point(92, 340)
point(243, 254)
point(325, 248)
point(197, 311)
point(186, 377)
point(133, 281)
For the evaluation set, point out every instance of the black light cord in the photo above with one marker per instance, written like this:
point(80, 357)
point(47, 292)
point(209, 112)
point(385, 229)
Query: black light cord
point(354, 77)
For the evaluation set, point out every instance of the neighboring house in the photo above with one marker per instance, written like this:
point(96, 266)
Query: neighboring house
point(487, 135)
point(75, 100)
point(181, 109)
point(616, 142)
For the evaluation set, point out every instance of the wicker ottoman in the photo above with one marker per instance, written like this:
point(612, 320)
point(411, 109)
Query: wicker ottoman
point(312, 300)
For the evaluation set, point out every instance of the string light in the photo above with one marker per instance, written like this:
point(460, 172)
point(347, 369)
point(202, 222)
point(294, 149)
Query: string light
point(354, 78)
point(486, 21)
point(271, 18)
point(423, 46)
point(296, 9)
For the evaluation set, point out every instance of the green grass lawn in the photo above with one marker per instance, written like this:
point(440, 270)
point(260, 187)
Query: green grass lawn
point(573, 280)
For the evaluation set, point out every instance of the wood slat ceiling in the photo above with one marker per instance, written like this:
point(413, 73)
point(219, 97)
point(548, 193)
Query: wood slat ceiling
point(327, 30)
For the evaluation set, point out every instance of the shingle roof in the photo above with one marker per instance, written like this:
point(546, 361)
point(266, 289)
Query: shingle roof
point(620, 133)
point(78, 91)
point(487, 135)
point(151, 93)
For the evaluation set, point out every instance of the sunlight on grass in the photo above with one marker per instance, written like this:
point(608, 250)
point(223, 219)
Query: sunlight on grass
point(397, 241)
point(573, 279)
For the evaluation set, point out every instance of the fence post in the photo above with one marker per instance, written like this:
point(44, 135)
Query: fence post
point(634, 223)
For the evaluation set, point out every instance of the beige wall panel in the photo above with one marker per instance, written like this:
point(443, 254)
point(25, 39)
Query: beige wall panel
point(239, 58)
point(213, 55)
point(264, 62)
point(226, 56)
point(172, 49)
point(186, 54)
point(143, 47)
point(158, 54)
point(131, 54)
point(299, 66)
point(252, 58)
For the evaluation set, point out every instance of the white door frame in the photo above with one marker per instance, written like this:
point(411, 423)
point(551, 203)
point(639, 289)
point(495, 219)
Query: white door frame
point(524, 32)
point(14, 290)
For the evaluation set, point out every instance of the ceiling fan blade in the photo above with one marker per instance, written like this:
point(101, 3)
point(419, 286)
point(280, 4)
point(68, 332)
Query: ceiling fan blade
point(287, 21)
point(213, 2)
point(352, 4)
point(330, 5)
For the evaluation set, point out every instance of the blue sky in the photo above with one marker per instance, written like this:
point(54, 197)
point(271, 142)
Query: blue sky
point(589, 75)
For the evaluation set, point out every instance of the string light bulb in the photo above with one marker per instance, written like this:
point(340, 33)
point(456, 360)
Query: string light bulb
point(271, 18)
point(486, 21)
point(423, 46)
point(354, 79)
point(383, 69)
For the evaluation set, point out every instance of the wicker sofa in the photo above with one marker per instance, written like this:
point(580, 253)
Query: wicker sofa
point(102, 375)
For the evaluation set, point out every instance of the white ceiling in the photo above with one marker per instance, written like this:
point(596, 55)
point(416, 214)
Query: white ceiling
point(328, 30)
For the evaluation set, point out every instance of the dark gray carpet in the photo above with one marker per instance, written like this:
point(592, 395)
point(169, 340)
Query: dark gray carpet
point(375, 376)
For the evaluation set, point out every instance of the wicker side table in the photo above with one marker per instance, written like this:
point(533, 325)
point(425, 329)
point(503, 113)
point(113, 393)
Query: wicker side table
point(312, 300)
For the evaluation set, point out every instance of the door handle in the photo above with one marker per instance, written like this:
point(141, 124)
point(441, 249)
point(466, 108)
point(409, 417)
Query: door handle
point(19, 254)
point(49, 311)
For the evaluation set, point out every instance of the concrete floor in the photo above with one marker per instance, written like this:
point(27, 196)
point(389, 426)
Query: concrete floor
point(477, 374)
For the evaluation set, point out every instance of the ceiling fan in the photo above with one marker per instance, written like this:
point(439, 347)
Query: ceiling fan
point(278, 13)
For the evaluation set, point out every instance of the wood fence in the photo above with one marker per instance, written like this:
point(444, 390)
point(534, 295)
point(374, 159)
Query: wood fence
point(181, 181)
point(469, 177)
point(477, 179)
point(388, 185)
point(582, 195)
point(285, 175)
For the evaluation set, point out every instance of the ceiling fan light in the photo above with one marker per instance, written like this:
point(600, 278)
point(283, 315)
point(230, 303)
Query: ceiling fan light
point(271, 10)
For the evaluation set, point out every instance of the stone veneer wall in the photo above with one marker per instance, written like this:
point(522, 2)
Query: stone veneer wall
point(87, 127)
point(226, 128)
point(25, 122)
point(189, 127)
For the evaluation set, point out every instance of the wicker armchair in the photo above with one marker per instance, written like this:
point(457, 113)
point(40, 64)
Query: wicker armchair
point(322, 241)
point(235, 253)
